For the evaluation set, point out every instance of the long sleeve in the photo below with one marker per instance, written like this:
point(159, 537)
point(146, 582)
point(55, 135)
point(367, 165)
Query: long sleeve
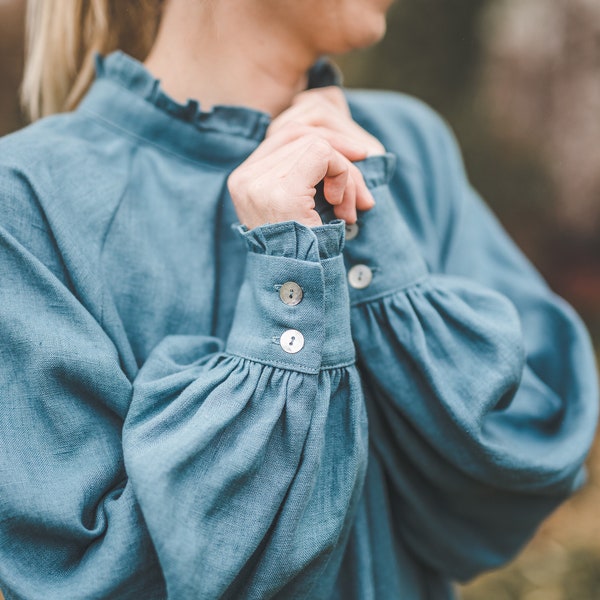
point(263, 451)
point(480, 382)
point(223, 468)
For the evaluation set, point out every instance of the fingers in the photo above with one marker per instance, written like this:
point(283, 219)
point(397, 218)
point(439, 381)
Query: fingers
point(331, 95)
point(318, 160)
point(356, 196)
point(314, 159)
point(346, 209)
point(294, 132)
point(324, 113)
point(277, 182)
point(344, 186)
point(364, 198)
point(315, 115)
point(351, 148)
point(312, 113)
point(315, 108)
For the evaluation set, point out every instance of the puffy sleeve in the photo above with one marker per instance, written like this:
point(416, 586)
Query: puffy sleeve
point(224, 468)
point(481, 384)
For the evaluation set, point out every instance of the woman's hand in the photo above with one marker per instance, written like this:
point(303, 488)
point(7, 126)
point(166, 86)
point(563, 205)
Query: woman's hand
point(277, 181)
point(327, 108)
point(314, 140)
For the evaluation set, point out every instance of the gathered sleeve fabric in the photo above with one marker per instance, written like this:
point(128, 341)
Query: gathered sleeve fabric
point(224, 468)
point(248, 461)
point(480, 382)
point(70, 526)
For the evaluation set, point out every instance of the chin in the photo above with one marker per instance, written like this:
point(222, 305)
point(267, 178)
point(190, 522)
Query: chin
point(352, 29)
point(364, 37)
point(374, 36)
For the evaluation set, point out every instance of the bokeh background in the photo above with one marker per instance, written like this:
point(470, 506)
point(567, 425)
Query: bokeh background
point(519, 82)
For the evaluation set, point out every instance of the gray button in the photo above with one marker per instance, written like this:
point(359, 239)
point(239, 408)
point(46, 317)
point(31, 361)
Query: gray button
point(351, 230)
point(360, 276)
point(291, 293)
point(292, 341)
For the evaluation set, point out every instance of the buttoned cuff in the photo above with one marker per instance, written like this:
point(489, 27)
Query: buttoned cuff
point(381, 255)
point(293, 309)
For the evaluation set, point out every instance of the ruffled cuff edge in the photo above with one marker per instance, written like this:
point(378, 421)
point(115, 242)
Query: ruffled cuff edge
point(290, 239)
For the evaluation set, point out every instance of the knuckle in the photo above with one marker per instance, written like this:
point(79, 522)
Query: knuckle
point(300, 96)
point(319, 145)
point(310, 100)
point(253, 187)
point(278, 195)
point(242, 184)
point(273, 128)
point(334, 92)
point(296, 129)
point(234, 181)
point(335, 97)
point(314, 102)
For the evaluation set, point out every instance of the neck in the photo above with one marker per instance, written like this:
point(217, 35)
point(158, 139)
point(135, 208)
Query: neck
point(199, 55)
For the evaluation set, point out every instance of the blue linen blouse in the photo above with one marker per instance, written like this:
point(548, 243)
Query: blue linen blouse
point(156, 438)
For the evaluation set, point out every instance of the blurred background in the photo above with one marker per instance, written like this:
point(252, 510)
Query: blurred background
point(519, 82)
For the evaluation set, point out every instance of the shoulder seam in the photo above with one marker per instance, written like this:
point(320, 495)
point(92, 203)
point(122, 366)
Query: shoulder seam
point(128, 134)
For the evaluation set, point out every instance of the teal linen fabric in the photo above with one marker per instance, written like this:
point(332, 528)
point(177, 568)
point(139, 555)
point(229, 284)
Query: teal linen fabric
point(156, 439)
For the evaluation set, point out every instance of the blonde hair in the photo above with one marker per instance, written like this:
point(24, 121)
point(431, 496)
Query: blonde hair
point(63, 37)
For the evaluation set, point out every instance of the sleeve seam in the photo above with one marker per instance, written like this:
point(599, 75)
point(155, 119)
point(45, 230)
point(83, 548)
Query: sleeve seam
point(382, 295)
point(299, 368)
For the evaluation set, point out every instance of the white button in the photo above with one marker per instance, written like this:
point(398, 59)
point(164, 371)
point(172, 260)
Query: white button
point(360, 276)
point(292, 341)
point(291, 293)
point(351, 230)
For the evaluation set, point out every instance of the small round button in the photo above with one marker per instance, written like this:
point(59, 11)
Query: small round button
point(291, 341)
point(291, 293)
point(351, 230)
point(360, 276)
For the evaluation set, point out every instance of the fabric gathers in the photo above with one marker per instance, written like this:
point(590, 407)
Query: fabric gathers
point(194, 410)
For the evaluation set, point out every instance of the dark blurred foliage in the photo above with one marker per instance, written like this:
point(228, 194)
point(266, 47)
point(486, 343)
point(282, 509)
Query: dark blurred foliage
point(519, 82)
point(442, 51)
point(434, 50)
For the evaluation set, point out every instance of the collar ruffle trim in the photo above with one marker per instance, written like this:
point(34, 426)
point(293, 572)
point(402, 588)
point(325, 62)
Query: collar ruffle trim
point(237, 120)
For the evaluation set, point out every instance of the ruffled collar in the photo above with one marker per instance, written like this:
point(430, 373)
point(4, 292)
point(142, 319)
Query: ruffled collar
point(127, 95)
point(128, 99)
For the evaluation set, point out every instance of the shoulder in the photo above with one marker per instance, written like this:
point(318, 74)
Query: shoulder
point(53, 151)
point(29, 160)
point(46, 141)
point(51, 159)
point(408, 127)
point(32, 163)
point(59, 179)
point(62, 165)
